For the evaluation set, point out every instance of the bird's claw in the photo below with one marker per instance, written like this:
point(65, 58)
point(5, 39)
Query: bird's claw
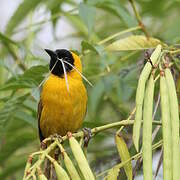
point(87, 136)
point(56, 136)
point(43, 145)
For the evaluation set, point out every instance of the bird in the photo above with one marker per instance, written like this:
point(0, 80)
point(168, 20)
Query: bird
point(63, 99)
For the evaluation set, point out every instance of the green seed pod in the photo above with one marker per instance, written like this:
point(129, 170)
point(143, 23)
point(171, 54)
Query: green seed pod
point(69, 165)
point(140, 95)
point(124, 155)
point(60, 172)
point(80, 158)
point(42, 177)
point(166, 129)
point(147, 129)
point(174, 111)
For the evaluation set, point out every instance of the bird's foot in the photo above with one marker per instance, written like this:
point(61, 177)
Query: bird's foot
point(87, 136)
point(43, 145)
point(56, 136)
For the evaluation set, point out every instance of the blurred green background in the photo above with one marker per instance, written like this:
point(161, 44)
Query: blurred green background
point(32, 26)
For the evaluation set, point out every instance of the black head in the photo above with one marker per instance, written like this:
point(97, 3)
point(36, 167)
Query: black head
point(62, 54)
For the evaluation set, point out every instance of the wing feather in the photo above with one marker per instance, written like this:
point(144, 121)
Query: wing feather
point(40, 107)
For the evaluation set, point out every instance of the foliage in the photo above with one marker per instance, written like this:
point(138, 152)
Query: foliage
point(112, 39)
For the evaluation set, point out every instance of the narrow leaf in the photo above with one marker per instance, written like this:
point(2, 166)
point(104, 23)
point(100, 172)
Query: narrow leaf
point(137, 42)
point(96, 95)
point(5, 39)
point(54, 7)
point(22, 11)
point(30, 79)
point(87, 14)
point(117, 8)
point(13, 167)
point(124, 154)
point(113, 174)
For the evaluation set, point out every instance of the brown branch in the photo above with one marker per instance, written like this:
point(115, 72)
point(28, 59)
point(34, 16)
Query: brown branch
point(138, 17)
point(159, 163)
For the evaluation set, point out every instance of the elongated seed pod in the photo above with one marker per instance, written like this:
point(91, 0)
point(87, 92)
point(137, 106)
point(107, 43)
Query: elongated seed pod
point(42, 177)
point(80, 158)
point(140, 95)
point(69, 165)
point(174, 111)
point(166, 129)
point(147, 129)
point(60, 172)
point(124, 155)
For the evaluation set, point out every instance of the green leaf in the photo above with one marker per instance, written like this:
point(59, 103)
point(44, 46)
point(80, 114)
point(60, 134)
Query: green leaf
point(87, 13)
point(113, 174)
point(8, 111)
point(5, 39)
point(22, 11)
point(17, 164)
point(118, 9)
point(54, 7)
point(36, 93)
point(27, 117)
point(15, 142)
point(126, 85)
point(171, 32)
point(95, 48)
point(96, 95)
point(124, 155)
point(137, 42)
point(30, 79)
point(77, 23)
point(87, 46)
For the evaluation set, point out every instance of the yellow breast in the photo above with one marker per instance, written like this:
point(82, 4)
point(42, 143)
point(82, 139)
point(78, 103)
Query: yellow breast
point(63, 111)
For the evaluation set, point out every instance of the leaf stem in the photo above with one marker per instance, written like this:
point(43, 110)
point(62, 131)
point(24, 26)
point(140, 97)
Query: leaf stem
point(175, 51)
point(113, 36)
point(41, 159)
point(138, 17)
point(118, 34)
point(102, 128)
point(32, 170)
point(15, 57)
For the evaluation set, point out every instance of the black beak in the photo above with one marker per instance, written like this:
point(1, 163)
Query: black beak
point(51, 53)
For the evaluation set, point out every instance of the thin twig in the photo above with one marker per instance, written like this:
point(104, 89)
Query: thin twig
point(15, 57)
point(156, 106)
point(157, 127)
point(159, 163)
point(155, 146)
point(130, 116)
point(175, 51)
point(32, 170)
point(113, 36)
point(138, 17)
point(96, 130)
point(55, 16)
point(41, 159)
point(118, 34)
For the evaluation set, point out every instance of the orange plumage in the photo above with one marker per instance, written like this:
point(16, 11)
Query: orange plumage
point(61, 111)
